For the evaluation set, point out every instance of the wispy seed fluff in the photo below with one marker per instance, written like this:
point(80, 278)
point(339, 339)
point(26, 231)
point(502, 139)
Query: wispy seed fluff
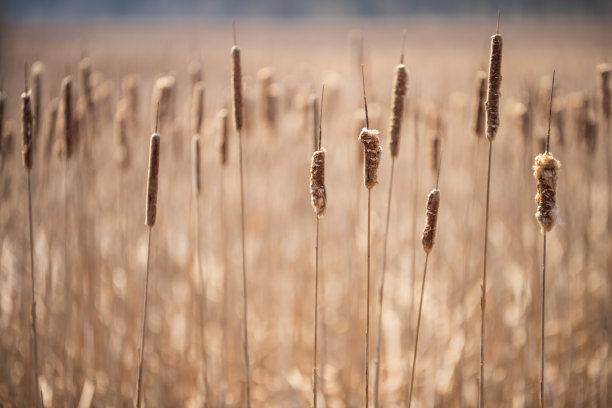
point(429, 232)
point(237, 88)
point(492, 103)
point(400, 86)
point(372, 152)
point(152, 181)
point(546, 172)
point(27, 129)
point(318, 192)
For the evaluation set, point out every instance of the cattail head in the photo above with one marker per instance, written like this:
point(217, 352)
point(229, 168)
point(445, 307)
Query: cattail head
point(237, 88)
point(494, 83)
point(197, 108)
point(604, 70)
point(546, 172)
point(372, 152)
point(429, 232)
point(195, 165)
point(164, 94)
point(27, 129)
point(129, 91)
point(479, 108)
point(122, 157)
point(152, 181)
point(53, 108)
point(400, 86)
point(318, 192)
point(38, 70)
point(223, 129)
point(66, 122)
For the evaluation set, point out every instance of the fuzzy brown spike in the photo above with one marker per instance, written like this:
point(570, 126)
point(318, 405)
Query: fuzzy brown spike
point(372, 152)
point(66, 122)
point(318, 192)
point(237, 88)
point(479, 109)
point(38, 70)
point(197, 108)
point(27, 130)
point(429, 232)
point(546, 173)
point(196, 184)
point(604, 70)
point(223, 131)
point(152, 181)
point(494, 84)
point(397, 112)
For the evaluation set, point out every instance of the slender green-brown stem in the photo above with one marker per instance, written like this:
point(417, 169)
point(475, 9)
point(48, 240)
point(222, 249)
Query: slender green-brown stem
point(244, 280)
point(367, 333)
point(316, 316)
point(202, 300)
point(418, 330)
point(483, 288)
point(33, 305)
point(382, 288)
point(144, 325)
point(543, 310)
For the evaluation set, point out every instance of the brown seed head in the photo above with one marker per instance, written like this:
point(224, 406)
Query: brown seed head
point(372, 152)
point(152, 181)
point(493, 94)
point(400, 86)
point(546, 172)
point(223, 130)
point(479, 109)
point(197, 108)
point(66, 122)
point(431, 215)
point(604, 71)
point(27, 130)
point(237, 88)
point(318, 192)
point(195, 165)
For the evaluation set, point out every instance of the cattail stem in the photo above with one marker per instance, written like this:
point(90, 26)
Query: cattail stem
point(543, 310)
point(33, 305)
point(367, 333)
point(382, 288)
point(316, 316)
point(483, 296)
point(418, 330)
point(144, 324)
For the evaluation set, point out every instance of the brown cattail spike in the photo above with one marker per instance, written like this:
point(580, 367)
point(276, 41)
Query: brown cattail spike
point(223, 129)
point(493, 93)
point(237, 88)
point(27, 129)
point(318, 192)
point(66, 121)
point(372, 152)
point(152, 181)
point(429, 232)
point(122, 156)
point(604, 70)
point(195, 165)
point(479, 110)
point(197, 108)
point(546, 173)
point(38, 69)
point(400, 87)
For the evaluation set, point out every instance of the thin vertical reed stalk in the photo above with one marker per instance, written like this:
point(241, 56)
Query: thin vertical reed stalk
point(400, 87)
point(144, 324)
point(238, 122)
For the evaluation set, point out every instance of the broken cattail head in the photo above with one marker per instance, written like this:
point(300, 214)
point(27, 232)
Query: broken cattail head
point(318, 192)
point(195, 165)
point(400, 86)
point(152, 181)
point(223, 129)
point(493, 94)
point(429, 232)
point(237, 88)
point(372, 152)
point(546, 172)
point(27, 129)
point(479, 109)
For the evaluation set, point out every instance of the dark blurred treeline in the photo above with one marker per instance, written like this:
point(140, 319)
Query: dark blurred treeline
point(295, 8)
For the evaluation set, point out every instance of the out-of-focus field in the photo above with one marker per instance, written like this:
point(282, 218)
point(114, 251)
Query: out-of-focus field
point(91, 241)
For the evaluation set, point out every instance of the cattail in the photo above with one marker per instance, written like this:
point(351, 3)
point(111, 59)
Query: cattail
point(237, 88)
point(85, 82)
point(479, 110)
point(546, 172)
point(372, 152)
point(195, 165)
point(27, 129)
point(318, 192)
point(429, 232)
point(264, 80)
point(152, 181)
point(195, 72)
point(122, 157)
point(604, 71)
point(66, 123)
point(197, 108)
point(223, 130)
point(397, 112)
point(2, 101)
point(590, 133)
point(53, 108)
point(163, 99)
point(492, 103)
point(38, 70)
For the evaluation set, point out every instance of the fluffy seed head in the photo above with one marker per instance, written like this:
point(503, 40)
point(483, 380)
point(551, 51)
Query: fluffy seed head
point(27, 130)
point(372, 152)
point(318, 192)
point(604, 71)
point(152, 181)
point(400, 86)
point(431, 215)
point(493, 94)
point(479, 109)
point(546, 172)
point(237, 88)
point(197, 108)
point(223, 130)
